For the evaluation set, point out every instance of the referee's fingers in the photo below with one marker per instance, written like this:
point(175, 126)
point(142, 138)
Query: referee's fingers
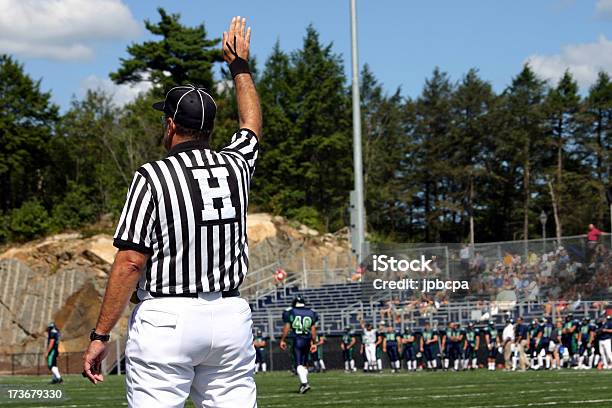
point(87, 372)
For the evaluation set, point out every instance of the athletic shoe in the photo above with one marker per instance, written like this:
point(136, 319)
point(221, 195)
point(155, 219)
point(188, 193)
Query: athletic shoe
point(304, 388)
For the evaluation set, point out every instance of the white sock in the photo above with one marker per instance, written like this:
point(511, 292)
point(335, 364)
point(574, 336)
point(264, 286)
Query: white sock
point(302, 374)
point(379, 364)
point(548, 361)
point(347, 367)
point(446, 363)
point(264, 367)
point(456, 364)
point(474, 363)
point(56, 373)
point(352, 364)
point(397, 364)
point(434, 363)
point(322, 364)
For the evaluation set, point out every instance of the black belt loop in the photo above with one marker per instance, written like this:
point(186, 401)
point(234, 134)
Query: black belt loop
point(225, 294)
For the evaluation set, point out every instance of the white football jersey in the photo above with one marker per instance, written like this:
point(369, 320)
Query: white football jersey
point(369, 336)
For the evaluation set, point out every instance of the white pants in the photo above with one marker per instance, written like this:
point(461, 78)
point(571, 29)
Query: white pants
point(180, 347)
point(370, 352)
point(605, 351)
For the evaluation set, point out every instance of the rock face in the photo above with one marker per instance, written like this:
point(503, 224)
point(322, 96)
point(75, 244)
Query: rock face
point(62, 278)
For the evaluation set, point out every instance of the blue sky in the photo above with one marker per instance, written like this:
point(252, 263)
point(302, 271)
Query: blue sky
point(402, 41)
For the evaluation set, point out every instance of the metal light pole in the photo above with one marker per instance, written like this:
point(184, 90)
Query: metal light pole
point(357, 156)
point(543, 219)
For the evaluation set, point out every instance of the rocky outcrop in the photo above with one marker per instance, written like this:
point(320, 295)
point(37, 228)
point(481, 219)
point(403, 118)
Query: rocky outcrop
point(62, 278)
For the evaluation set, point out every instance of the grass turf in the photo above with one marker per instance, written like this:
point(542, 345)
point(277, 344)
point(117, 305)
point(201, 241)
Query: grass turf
point(567, 388)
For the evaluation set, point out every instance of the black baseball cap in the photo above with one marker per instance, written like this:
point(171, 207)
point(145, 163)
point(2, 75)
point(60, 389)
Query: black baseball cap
point(189, 106)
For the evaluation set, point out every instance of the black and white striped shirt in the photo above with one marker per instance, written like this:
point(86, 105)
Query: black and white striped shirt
point(188, 211)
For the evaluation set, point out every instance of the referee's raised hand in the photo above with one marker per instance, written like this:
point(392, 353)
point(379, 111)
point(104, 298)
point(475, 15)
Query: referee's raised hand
point(236, 40)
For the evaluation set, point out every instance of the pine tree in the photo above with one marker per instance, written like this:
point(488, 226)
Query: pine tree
point(523, 139)
point(26, 127)
point(561, 107)
point(183, 55)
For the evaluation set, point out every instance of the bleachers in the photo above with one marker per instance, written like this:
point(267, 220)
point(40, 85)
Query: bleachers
point(335, 303)
point(339, 306)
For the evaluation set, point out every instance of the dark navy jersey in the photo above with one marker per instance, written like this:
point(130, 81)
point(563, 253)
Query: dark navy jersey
point(286, 315)
point(547, 330)
point(392, 337)
point(492, 332)
point(453, 335)
point(534, 330)
point(54, 334)
point(347, 338)
point(585, 332)
point(428, 335)
point(521, 331)
point(301, 320)
point(470, 336)
point(606, 336)
point(260, 339)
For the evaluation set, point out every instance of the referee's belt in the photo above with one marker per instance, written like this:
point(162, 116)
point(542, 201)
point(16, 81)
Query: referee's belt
point(225, 294)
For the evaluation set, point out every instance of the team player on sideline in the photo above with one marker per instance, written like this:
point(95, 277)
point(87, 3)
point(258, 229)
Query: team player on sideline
point(390, 346)
point(471, 343)
point(369, 340)
point(493, 342)
point(260, 344)
point(317, 356)
point(53, 341)
point(347, 344)
point(409, 349)
point(302, 322)
point(430, 346)
point(586, 340)
point(183, 245)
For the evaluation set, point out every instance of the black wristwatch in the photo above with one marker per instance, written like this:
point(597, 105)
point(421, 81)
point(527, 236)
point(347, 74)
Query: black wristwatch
point(95, 336)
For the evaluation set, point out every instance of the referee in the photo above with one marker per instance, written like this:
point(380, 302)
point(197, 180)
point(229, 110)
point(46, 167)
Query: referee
point(182, 243)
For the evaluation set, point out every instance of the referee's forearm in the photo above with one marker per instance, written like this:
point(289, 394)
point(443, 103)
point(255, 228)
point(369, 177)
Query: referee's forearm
point(123, 279)
point(249, 109)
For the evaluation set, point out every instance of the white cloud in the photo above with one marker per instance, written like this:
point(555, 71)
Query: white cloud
point(584, 61)
point(62, 29)
point(121, 94)
point(603, 9)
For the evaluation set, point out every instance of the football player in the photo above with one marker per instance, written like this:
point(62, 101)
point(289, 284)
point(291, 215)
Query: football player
point(445, 345)
point(605, 338)
point(545, 351)
point(317, 356)
point(347, 344)
point(556, 344)
point(586, 340)
point(570, 337)
point(370, 342)
point(471, 342)
point(260, 344)
point(390, 346)
point(285, 317)
point(302, 322)
point(429, 347)
point(535, 335)
point(409, 349)
point(493, 342)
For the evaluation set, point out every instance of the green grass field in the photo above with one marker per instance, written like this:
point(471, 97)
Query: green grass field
point(336, 389)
